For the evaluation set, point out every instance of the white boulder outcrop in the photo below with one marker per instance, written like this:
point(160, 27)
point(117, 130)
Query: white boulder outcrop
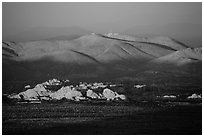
point(91, 94)
point(27, 86)
point(35, 93)
point(40, 87)
point(29, 94)
point(109, 94)
point(42, 92)
point(65, 92)
point(79, 98)
point(195, 96)
point(121, 96)
point(14, 96)
point(169, 96)
point(139, 86)
point(54, 82)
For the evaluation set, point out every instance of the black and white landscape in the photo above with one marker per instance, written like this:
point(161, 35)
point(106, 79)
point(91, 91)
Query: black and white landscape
point(86, 80)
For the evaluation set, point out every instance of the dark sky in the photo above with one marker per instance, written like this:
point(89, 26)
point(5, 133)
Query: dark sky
point(97, 17)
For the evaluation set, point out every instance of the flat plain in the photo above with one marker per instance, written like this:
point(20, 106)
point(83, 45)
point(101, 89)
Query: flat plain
point(103, 118)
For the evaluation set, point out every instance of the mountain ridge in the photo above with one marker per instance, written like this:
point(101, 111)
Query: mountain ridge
point(96, 57)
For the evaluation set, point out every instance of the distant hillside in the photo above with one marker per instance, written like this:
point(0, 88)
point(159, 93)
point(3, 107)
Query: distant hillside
point(98, 58)
point(191, 34)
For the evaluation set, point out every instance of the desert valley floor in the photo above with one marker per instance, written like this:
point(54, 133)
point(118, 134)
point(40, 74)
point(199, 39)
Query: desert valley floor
point(103, 118)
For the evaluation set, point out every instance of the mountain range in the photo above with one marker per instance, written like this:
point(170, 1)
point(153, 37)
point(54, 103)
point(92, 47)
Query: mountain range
point(191, 34)
point(102, 57)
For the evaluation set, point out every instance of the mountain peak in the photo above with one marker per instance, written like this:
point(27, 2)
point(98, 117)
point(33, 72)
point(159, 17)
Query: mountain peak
point(92, 56)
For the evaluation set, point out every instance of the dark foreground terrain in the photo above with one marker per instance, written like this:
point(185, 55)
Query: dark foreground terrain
point(103, 118)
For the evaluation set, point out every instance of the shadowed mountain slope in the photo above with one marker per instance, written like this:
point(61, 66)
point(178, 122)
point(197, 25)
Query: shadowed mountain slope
point(97, 57)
